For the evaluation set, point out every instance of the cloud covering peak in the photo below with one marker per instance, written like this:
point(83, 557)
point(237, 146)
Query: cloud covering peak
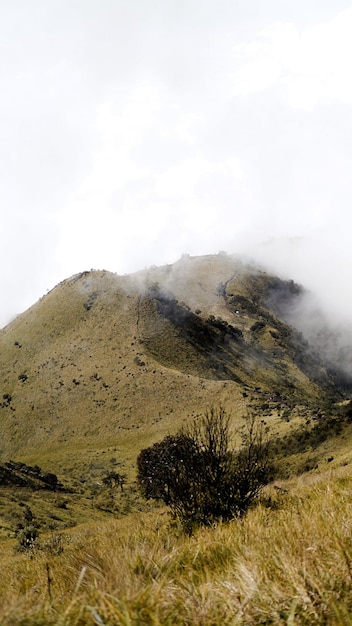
point(134, 132)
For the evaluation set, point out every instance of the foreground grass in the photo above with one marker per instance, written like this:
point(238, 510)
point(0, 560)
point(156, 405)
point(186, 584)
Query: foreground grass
point(288, 562)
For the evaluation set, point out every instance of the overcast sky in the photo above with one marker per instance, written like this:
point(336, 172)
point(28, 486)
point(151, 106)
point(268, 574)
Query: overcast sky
point(132, 131)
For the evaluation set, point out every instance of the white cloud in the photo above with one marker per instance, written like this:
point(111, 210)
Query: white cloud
point(312, 64)
point(134, 132)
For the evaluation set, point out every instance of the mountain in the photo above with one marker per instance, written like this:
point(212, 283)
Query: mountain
point(106, 363)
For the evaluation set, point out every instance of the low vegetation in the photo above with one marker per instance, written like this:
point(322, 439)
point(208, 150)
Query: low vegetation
point(105, 366)
point(198, 473)
point(288, 561)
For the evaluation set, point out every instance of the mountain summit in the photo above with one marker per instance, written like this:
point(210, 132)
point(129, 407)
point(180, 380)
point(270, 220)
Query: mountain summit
point(109, 361)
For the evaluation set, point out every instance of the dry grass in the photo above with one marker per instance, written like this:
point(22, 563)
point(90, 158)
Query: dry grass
point(288, 562)
point(92, 381)
point(95, 392)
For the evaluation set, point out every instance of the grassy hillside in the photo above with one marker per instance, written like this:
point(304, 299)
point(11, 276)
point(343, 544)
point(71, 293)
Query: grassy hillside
point(104, 365)
point(75, 372)
point(288, 562)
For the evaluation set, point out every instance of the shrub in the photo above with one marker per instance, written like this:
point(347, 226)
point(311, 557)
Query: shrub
point(200, 476)
point(114, 478)
point(27, 538)
point(164, 470)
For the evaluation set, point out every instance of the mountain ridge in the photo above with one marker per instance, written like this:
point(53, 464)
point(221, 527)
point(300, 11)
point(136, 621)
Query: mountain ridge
point(105, 361)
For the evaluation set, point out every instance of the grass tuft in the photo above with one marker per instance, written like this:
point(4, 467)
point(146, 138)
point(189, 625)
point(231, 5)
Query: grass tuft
point(289, 564)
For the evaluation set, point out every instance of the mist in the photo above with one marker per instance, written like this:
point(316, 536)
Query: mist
point(134, 133)
point(320, 309)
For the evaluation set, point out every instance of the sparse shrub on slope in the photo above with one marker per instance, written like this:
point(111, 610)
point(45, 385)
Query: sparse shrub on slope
point(27, 538)
point(200, 476)
point(27, 533)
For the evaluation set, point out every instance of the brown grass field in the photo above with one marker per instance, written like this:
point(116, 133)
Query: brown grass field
point(104, 366)
point(289, 561)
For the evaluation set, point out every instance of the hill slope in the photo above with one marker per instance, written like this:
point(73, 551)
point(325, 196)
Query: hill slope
point(105, 365)
point(104, 361)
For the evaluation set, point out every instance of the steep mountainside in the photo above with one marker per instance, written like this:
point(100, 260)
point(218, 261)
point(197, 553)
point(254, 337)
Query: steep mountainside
point(111, 363)
point(104, 366)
